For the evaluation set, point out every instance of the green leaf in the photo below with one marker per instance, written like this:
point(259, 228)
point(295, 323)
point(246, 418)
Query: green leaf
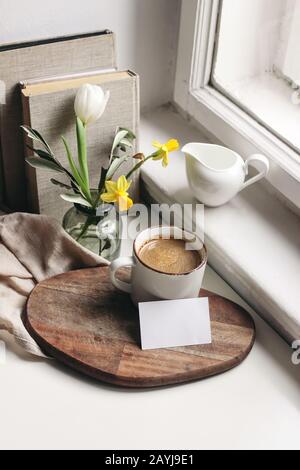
point(44, 164)
point(118, 137)
point(41, 153)
point(60, 184)
point(123, 139)
point(115, 165)
point(130, 135)
point(82, 153)
point(76, 188)
point(126, 143)
point(73, 166)
point(84, 190)
point(31, 133)
point(75, 199)
point(35, 135)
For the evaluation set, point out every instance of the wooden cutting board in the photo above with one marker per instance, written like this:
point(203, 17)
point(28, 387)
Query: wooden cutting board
point(80, 319)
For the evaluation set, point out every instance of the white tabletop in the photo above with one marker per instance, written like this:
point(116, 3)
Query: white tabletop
point(47, 406)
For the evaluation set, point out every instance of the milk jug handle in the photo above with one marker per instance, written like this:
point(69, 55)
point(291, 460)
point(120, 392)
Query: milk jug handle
point(263, 163)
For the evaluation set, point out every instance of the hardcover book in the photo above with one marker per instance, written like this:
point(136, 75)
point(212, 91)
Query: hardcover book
point(39, 60)
point(48, 107)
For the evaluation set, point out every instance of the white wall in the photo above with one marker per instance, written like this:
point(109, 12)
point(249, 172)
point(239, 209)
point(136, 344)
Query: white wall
point(146, 33)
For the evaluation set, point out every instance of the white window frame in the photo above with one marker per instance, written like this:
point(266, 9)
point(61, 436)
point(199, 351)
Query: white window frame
point(290, 65)
point(229, 123)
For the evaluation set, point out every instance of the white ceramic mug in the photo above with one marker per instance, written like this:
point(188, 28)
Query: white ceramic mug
point(147, 284)
point(216, 174)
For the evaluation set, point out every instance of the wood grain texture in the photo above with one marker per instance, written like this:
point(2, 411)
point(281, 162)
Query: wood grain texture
point(80, 319)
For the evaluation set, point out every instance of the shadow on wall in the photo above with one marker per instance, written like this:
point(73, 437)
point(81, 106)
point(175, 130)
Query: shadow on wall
point(146, 33)
point(156, 39)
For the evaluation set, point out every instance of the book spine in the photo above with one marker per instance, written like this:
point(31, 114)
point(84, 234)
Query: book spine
point(41, 42)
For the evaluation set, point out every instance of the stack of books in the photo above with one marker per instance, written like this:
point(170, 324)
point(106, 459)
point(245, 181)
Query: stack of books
point(40, 82)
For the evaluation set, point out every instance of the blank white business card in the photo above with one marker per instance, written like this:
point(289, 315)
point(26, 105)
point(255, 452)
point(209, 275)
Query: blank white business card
point(173, 323)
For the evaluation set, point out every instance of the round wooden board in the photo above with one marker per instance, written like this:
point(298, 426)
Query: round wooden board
point(82, 320)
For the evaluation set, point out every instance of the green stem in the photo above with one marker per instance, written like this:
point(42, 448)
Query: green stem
point(83, 187)
point(85, 227)
point(82, 151)
point(138, 165)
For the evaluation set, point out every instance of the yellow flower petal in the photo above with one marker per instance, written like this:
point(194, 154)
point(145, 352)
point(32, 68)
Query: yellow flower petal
point(172, 145)
point(165, 161)
point(129, 203)
point(108, 197)
point(111, 186)
point(125, 203)
point(117, 192)
point(127, 185)
point(156, 144)
point(121, 183)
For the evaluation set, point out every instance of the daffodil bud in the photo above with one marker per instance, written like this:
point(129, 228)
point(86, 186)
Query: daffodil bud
point(139, 156)
point(90, 103)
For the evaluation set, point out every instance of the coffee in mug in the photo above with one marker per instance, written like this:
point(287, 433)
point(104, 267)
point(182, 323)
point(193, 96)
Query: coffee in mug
point(168, 263)
point(169, 256)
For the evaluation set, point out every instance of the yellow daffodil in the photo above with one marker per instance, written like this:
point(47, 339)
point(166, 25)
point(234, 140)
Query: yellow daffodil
point(117, 191)
point(164, 150)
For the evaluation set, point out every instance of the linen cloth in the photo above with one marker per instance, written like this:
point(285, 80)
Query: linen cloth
point(33, 248)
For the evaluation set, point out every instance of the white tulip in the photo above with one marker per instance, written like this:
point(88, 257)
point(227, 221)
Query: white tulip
point(90, 103)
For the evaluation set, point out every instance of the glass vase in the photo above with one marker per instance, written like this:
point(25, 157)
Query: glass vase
point(97, 230)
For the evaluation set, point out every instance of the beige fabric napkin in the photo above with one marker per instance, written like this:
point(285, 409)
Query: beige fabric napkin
point(33, 248)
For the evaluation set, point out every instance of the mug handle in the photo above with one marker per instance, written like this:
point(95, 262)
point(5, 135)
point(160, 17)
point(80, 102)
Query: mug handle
point(117, 264)
point(265, 170)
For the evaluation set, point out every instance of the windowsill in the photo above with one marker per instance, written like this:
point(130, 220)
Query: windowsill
point(253, 241)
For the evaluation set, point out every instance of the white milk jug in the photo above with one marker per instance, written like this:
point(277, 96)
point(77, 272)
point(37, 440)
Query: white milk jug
point(216, 174)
